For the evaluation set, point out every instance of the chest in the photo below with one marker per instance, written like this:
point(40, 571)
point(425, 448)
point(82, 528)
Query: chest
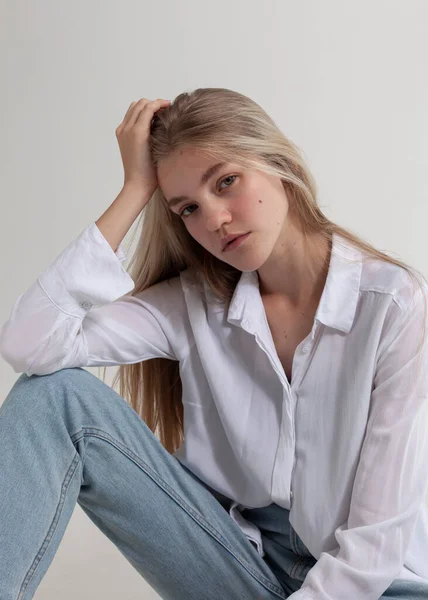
point(288, 328)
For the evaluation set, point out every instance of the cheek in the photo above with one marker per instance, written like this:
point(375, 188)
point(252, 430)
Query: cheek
point(195, 232)
point(248, 204)
point(253, 207)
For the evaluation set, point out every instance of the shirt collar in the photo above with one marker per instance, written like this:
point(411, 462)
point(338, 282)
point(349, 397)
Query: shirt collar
point(338, 301)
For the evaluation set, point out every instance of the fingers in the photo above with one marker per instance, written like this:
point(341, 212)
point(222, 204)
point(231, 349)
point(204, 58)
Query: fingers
point(143, 106)
point(136, 108)
point(145, 115)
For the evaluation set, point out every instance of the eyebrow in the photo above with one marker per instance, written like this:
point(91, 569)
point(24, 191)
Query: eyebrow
point(206, 176)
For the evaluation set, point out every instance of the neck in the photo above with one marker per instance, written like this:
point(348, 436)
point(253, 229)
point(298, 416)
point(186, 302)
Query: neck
point(296, 270)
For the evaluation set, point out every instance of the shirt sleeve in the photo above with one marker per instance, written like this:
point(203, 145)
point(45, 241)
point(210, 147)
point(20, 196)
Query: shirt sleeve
point(391, 481)
point(77, 313)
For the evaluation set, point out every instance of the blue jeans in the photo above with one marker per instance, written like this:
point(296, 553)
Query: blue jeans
point(68, 437)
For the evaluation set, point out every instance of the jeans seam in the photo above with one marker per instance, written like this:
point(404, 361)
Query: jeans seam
point(293, 542)
point(99, 433)
point(298, 547)
point(295, 569)
point(64, 487)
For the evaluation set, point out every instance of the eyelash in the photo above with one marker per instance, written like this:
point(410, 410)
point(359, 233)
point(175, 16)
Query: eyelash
point(189, 205)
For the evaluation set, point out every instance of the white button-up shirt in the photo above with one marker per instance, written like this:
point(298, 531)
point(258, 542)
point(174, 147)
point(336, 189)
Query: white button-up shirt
point(343, 446)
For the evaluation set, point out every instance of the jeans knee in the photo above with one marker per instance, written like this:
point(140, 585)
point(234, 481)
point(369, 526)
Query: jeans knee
point(57, 377)
point(29, 392)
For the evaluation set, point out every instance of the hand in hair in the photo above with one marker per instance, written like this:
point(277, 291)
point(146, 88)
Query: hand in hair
point(133, 137)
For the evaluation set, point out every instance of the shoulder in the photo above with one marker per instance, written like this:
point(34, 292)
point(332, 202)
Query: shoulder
point(393, 282)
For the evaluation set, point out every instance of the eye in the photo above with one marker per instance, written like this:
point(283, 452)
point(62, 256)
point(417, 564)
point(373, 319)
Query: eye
point(181, 214)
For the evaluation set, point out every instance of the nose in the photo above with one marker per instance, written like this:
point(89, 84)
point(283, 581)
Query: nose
point(216, 217)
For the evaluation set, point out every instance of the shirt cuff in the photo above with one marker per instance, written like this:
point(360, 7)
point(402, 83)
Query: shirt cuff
point(87, 273)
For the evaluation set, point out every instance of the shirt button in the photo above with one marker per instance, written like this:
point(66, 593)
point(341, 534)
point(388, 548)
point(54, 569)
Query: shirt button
point(305, 350)
point(85, 304)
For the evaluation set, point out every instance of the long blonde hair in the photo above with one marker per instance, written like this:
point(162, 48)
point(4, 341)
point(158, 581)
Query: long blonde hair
point(226, 126)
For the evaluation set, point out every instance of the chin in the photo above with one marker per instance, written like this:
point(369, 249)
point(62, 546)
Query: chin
point(246, 264)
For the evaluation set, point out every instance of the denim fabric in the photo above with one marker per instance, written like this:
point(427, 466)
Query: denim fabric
point(69, 438)
point(290, 560)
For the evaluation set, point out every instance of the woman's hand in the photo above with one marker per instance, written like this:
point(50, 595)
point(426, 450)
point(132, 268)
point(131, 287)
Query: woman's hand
point(133, 138)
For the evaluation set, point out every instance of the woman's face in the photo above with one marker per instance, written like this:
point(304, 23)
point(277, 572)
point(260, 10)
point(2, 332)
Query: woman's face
point(232, 200)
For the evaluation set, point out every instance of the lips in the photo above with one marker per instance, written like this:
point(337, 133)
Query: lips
point(231, 241)
point(236, 241)
point(231, 238)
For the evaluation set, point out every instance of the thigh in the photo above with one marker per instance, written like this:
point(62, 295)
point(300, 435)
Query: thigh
point(159, 514)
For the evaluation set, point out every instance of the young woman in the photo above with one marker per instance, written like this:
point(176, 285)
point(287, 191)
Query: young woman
point(269, 438)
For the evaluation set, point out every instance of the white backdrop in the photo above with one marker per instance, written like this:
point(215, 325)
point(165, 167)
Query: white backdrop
point(345, 81)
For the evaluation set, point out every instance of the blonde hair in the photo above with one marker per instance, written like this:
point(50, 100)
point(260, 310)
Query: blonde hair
point(226, 126)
